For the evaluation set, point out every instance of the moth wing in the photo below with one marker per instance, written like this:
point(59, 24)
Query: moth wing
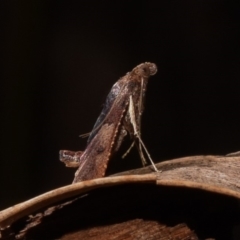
point(93, 162)
point(102, 138)
point(107, 108)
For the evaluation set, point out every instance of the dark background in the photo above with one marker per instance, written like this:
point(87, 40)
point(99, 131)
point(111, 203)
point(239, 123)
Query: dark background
point(60, 59)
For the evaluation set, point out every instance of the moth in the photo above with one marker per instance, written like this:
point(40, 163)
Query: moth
point(121, 114)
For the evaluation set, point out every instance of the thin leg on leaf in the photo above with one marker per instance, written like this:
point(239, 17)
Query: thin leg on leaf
point(148, 154)
point(133, 121)
point(128, 151)
point(143, 159)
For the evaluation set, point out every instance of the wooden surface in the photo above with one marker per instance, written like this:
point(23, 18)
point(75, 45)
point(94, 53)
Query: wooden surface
point(134, 229)
point(200, 194)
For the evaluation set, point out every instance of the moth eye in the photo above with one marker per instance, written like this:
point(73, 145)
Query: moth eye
point(145, 71)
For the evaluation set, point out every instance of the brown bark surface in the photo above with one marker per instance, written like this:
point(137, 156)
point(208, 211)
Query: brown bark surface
point(134, 229)
point(189, 198)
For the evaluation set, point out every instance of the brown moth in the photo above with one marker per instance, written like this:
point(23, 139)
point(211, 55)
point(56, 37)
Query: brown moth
point(121, 114)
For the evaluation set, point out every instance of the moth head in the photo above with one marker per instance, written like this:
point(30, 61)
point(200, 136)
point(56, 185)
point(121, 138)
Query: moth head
point(145, 69)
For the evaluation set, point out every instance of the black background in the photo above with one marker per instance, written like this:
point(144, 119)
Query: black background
point(60, 59)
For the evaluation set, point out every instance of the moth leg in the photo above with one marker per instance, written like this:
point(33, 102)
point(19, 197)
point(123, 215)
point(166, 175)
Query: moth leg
point(140, 109)
point(136, 134)
point(84, 135)
point(132, 117)
point(144, 162)
point(139, 146)
point(128, 151)
point(70, 158)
